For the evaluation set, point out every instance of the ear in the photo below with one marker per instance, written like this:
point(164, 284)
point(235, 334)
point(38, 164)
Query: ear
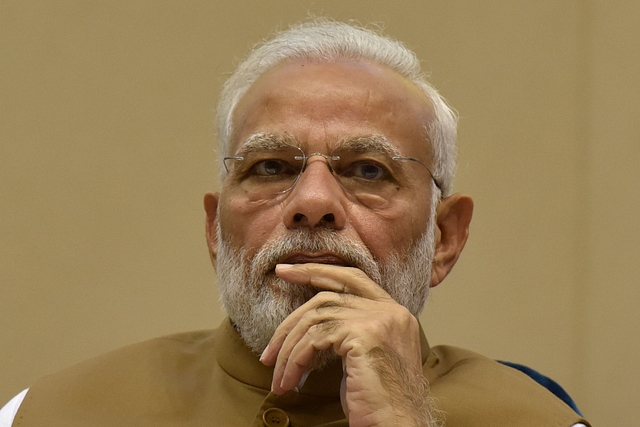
point(453, 216)
point(211, 225)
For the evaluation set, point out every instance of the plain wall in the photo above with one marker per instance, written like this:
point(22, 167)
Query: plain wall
point(107, 145)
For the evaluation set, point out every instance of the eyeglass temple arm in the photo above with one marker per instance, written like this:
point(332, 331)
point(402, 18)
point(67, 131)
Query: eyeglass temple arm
point(413, 159)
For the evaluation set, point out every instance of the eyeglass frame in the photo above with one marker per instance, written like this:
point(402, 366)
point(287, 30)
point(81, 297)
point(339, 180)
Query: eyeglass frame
point(304, 158)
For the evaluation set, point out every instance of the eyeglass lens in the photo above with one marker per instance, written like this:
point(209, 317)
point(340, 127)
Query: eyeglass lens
point(373, 177)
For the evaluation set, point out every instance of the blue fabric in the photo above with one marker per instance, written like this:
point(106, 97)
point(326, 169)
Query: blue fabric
point(545, 382)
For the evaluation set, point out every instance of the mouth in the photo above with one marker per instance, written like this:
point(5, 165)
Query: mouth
point(323, 258)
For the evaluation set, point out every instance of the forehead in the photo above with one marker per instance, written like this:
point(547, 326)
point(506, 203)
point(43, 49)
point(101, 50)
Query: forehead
point(318, 104)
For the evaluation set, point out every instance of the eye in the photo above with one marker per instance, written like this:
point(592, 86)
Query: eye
point(369, 171)
point(271, 167)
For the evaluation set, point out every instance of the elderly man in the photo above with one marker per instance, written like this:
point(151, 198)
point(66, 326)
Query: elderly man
point(335, 217)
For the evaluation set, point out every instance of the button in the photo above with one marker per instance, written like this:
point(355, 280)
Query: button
point(275, 417)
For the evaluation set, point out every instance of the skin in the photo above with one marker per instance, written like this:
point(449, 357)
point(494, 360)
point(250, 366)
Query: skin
point(319, 104)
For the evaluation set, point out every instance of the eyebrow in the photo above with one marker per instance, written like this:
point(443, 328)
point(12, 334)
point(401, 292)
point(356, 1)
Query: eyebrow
point(267, 141)
point(368, 143)
point(363, 143)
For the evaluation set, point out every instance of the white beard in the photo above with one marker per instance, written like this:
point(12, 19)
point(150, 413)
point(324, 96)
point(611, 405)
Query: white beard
point(257, 301)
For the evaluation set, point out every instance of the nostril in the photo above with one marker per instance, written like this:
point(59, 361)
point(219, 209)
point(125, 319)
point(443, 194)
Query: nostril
point(298, 217)
point(329, 218)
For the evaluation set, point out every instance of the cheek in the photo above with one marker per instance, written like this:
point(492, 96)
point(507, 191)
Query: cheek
point(392, 231)
point(248, 225)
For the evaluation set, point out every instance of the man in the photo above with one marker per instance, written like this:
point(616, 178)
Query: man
point(335, 217)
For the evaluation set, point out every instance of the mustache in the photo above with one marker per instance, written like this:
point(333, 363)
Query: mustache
point(314, 241)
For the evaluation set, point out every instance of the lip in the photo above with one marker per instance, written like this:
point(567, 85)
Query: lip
point(325, 258)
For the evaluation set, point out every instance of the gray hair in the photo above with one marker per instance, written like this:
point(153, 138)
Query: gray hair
point(325, 40)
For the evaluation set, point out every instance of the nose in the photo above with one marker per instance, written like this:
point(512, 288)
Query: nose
point(317, 199)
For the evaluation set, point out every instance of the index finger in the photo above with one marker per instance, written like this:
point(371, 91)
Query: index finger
point(332, 278)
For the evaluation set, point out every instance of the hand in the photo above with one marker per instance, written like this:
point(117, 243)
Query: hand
point(377, 339)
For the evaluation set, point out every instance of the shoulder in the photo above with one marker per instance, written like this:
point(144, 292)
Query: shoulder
point(455, 369)
point(146, 355)
point(138, 360)
point(160, 375)
point(470, 386)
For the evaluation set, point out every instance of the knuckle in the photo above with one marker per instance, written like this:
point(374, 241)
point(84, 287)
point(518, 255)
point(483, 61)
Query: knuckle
point(326, 325)
point(325, 296)
point(329, 305)
point(283, 360)
point(358, 274)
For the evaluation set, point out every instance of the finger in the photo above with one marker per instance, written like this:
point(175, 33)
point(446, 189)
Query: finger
point(338, 279)
point(307, 331)
point(299, 355)
point(332, 278)
point(293, 327)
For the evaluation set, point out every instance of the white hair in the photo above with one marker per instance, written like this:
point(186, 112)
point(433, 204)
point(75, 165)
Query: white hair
point(325, 40)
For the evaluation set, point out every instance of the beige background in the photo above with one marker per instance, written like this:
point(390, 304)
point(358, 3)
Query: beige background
point(107, 145)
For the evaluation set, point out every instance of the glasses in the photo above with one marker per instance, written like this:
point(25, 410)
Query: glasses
point(374, 176)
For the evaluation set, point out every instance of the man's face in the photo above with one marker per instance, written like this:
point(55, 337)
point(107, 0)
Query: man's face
point(319, 106)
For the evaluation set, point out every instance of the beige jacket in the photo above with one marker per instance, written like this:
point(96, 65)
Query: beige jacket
point(211, 378)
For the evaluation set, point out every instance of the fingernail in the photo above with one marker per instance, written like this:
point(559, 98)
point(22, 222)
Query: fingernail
point(302, 381)
point(284, 267)
point(263, 352)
